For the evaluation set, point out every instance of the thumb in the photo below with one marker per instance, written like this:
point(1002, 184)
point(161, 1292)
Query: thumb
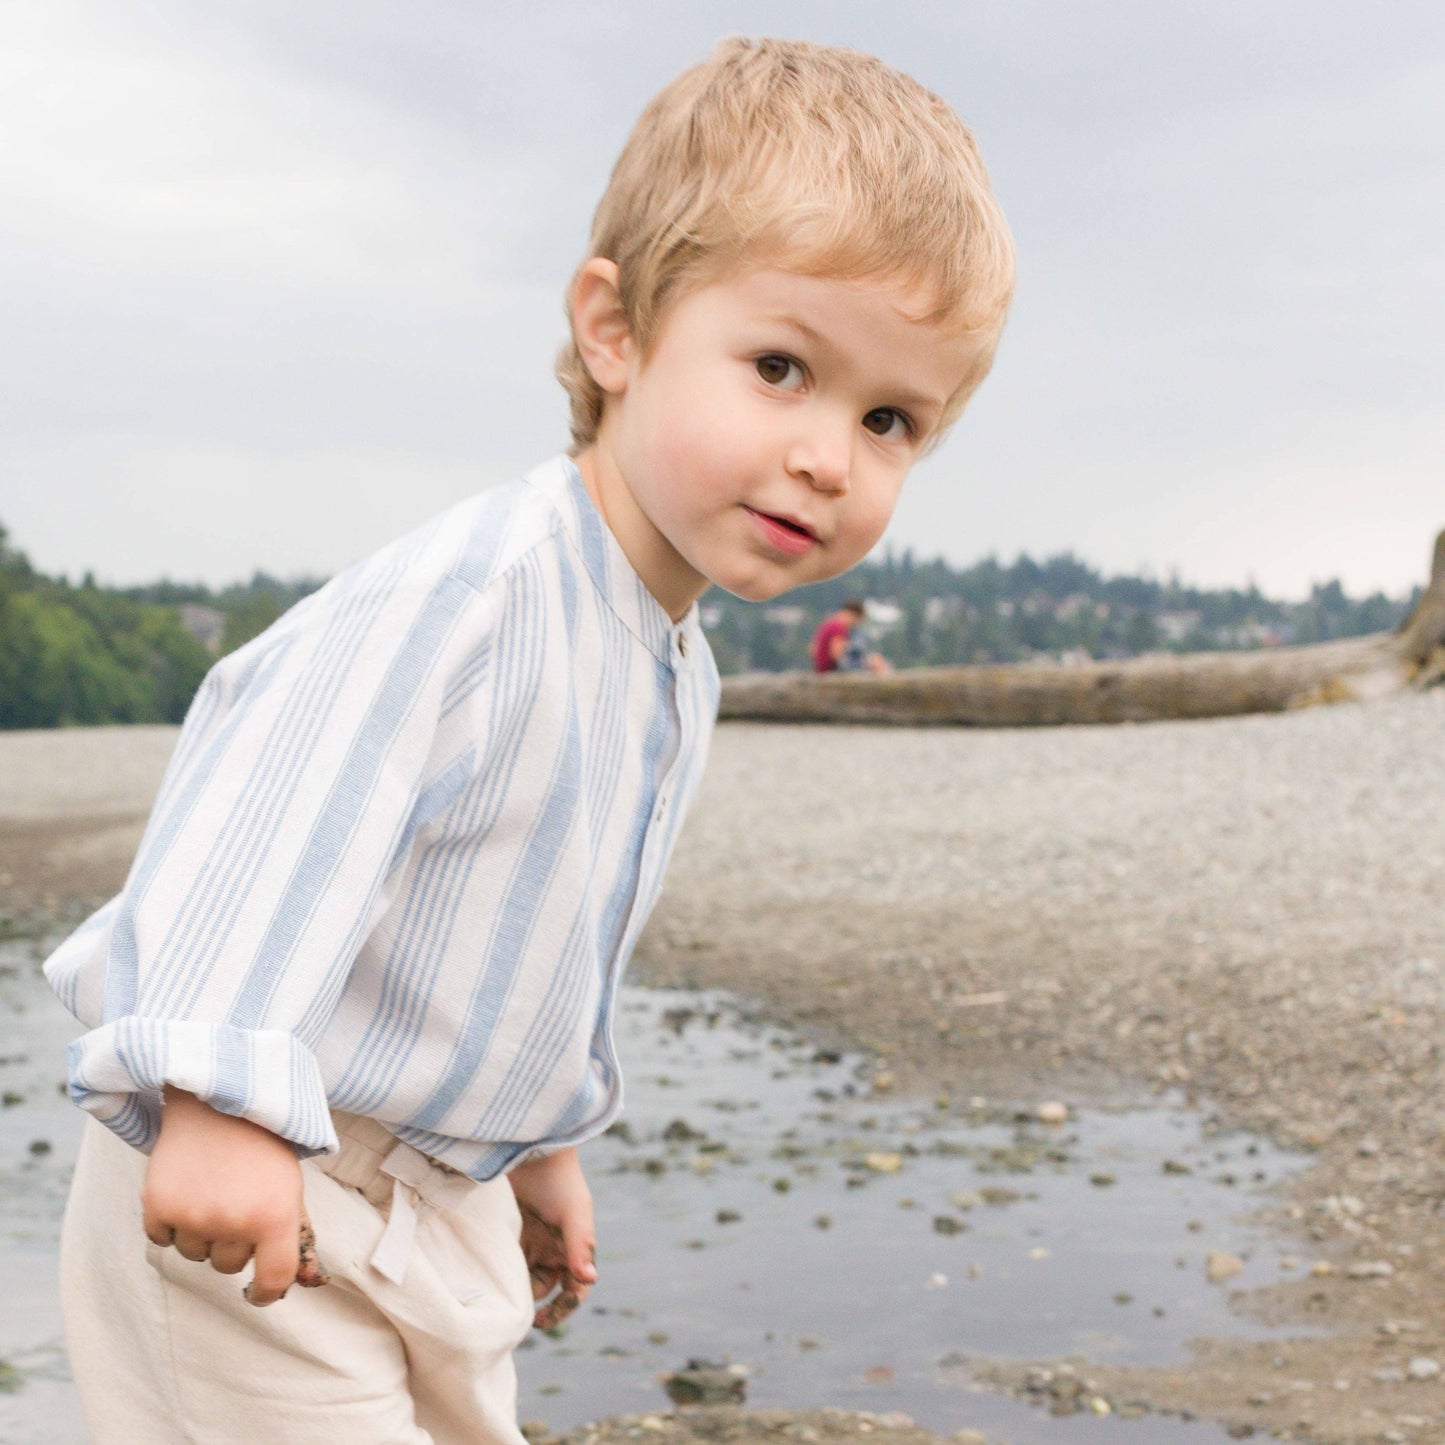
point(579, 1239)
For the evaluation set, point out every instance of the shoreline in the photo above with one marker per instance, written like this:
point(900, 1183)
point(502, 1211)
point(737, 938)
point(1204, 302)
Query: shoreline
point(1243, 911)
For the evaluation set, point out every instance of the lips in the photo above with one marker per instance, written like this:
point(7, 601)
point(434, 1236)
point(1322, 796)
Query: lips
point(784, 533)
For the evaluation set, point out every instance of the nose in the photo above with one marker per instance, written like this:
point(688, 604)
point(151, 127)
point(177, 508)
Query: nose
point(822, 453)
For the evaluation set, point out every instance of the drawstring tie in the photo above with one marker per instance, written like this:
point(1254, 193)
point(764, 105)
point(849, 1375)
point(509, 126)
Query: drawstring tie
point(417, 1182)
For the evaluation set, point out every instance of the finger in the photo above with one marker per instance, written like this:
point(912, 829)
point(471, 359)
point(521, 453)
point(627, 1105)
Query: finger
point(545, 1278)
point(157, 1227)
point(582, 1263)
point(230, 1256)
point(276, 1262)
point(556, 1310)
point(580, 1240)
point(192, 1246)
point(309, 1274)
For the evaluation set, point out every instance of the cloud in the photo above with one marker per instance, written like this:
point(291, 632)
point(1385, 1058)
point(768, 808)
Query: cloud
point(310, 245)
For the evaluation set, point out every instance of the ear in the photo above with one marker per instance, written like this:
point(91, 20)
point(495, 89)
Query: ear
point(604, 335)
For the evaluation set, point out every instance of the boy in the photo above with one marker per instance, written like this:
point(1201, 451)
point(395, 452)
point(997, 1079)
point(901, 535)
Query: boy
point(362, 974)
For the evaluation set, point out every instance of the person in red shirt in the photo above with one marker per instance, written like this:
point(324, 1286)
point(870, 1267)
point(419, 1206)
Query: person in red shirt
point(834, 648)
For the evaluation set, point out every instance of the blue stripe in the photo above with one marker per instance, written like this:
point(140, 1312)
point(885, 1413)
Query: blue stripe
point(428, 922)
point(531, 874)
point(347, 804)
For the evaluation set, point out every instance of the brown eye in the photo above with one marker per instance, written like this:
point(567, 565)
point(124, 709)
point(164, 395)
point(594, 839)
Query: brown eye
point(779, 370)
point(886, 421)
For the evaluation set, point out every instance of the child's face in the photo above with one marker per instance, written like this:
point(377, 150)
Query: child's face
point(762, 441)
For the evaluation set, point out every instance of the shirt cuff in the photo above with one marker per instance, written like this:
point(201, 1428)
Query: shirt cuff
point(117, 1073)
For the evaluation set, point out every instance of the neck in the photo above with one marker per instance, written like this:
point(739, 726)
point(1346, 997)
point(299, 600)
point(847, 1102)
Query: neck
point(663, 572)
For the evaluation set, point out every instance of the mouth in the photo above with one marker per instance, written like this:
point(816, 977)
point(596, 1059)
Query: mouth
point(786, 533)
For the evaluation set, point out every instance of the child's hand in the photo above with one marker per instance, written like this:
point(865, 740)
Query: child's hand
point(558, 1236)
point(227, 1190)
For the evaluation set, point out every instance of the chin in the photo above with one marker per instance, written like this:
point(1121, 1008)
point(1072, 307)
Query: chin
point(757, 591)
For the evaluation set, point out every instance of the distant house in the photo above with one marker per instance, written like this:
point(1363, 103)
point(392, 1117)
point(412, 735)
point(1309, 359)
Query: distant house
point(786, 614)
point(1176, 626)
point(884, 614)
point(206, 624)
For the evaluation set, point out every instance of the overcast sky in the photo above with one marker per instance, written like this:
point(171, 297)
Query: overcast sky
point(279, 280)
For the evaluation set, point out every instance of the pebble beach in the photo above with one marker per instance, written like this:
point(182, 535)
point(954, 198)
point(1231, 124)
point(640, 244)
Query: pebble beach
point(1244, 915)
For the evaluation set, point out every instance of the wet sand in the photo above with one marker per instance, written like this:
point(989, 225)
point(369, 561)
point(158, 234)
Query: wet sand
point(1246, 910)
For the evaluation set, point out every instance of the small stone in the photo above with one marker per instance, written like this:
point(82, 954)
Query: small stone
point(1388, 1375)
point(969, 1437)
point(1370, 1269)
point(999, 1194)
point(936, 1281)
point(1219, 1266)
point(1102, 1180)
point(822, 1221)
point(884, 1163)
point(1100, 1406)
point(702, 1382)
point(1423, 1368)
point(727, 1216)
point(39, 1147)
point(947, 1224)
point(1053, 1112)
point(1321, 1267)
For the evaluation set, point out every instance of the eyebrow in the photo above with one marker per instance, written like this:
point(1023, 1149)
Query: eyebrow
point(904, 395)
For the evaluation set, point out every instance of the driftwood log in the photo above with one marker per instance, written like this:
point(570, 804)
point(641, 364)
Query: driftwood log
point(1139, 689)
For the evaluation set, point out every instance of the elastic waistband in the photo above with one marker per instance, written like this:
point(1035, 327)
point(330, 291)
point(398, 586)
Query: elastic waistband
point(365, 1144)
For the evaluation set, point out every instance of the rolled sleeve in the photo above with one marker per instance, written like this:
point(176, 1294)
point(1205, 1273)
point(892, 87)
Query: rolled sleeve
point(118, 1071)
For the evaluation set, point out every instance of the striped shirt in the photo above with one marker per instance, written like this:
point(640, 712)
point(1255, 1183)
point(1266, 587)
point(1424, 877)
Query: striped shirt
point(405, 846)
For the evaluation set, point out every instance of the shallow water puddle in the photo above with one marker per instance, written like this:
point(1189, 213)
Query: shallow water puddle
point(763, 1205)
point(39, 1134)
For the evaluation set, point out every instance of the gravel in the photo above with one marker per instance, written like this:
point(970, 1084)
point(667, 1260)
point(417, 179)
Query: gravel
point(1245, 911)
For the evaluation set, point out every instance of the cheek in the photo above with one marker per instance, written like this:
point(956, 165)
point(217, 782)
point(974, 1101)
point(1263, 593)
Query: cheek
point(690, 446)
point(870, 520)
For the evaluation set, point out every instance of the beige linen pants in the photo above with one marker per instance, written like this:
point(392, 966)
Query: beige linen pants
point(166, 1351)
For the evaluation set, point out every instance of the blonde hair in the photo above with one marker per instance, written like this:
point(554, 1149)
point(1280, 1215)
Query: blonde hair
point(824, 161)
